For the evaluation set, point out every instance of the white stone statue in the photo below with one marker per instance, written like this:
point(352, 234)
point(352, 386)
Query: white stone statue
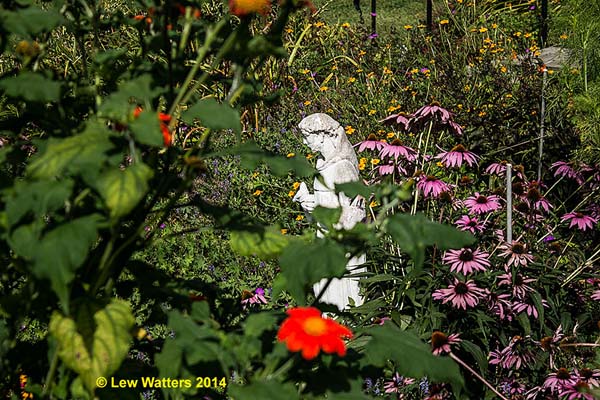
point(337, 164)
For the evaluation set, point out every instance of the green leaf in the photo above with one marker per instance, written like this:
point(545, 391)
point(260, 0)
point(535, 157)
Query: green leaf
point(257, 323)
point(29, 22)
point(414, 233)
point(62, 251)
point(303, 264)
point(118, 105)
point(213, 115)
point(327, 216)
point(410, 355)
point(38, 197)
point(353, 189)
point(31, 87)
point(478, 355)
point(109, 343)
point(146, 129)
point(263, 390)
point(80, 153)
point(265, 245)
point(123, 190)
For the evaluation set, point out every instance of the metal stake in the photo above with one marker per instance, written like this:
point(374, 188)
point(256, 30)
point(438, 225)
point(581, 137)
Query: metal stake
point(542, 125)
point(509, 203)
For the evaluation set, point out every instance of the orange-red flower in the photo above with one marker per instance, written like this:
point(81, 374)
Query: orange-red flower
point(307, 331)
point(245, 7)
point(164, 125)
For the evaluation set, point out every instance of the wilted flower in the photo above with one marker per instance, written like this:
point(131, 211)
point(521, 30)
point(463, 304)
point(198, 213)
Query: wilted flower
point(496, 168)
point(559, 379)
point(519, 285)
point(401, 119)
point(397, 382)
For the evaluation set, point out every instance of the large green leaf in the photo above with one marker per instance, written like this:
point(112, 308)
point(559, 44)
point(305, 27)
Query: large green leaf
point(118, 105)
point(213, 115)
point(410, 355)
point(257, 323)
point(59, 253)
point(100, 355)
point(266, 244)
point(263, 390)
point(38, 197)
point(84, 152)
point(123, 190)
point(414, 233)
point(303, 264)
point(31, 87)
point(29, 21)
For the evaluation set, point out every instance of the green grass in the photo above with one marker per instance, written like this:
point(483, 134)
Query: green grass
point(391, 14)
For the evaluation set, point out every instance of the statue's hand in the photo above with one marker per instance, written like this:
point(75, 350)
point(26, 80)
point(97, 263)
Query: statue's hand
point(305, 198)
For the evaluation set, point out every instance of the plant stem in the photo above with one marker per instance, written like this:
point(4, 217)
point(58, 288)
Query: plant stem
point(481, 378)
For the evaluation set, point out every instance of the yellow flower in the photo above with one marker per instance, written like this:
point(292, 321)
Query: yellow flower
point(323, 88)
point(482, 113)
point(375, 161)
point(421, 26)
point(444, 22)
point(299, 217)
point(290, 155)
point(257, 192)
point(351, 80)
point(494, 26)
point(319, 24)
point(414, 71)
point(390, 135)
point(254, 175)
point(482, 29)
point(439, 164)
point(345, 25)
point(564, 36)
point(362, 53)
point(373, 204)
point(334, 67)
point(393, 108)
point(408, 27)
point(372, 112)
point(358, 71)
point(386, 70)
point(296, 185)
point(371, 75)
point(349, 130)
point(307, 102)
point(289, 30)
point(503, 69)
point(309, 156)
point(291, 193)
point(284, 231)
point(305, 71)
point(517, 34)
point(459, 106)
point(527, 35)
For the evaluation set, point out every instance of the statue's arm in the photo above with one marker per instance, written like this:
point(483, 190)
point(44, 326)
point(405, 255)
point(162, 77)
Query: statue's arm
point(305, 198)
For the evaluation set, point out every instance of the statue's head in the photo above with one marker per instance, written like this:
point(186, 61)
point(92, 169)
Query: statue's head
point(321, 133)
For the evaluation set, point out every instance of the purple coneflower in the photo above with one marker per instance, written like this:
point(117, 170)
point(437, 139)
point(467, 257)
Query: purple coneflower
point(480, 204)
point(433, 110)
point(471, 224)
point(499, 304)
point(576, 391)
point(514, 355)
point(497, 168)
point(396, 149)
point(517, 252)
point(534, 199)
point(460, 294)
point(370, 143)
point(466, 261)
point(519, 286)
point(397, 383)
point(528, 307)
point(456, 157)
point(440, 342)
point(565, 169)
point(401, 119)
point(582, 221)
point(390, 167)
point(559, 379)
point(589, 376)
point(596, 295)
point(431, 186)
point(258, 297)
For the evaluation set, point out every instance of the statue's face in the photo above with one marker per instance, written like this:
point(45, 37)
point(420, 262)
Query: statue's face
point(315, 142)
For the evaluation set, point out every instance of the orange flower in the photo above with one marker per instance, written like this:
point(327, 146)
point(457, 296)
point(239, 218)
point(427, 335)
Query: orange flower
point(242, 8)
point(307, 331)
point(164, 127)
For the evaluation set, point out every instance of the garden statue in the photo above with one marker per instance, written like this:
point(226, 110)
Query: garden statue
point(337, 164)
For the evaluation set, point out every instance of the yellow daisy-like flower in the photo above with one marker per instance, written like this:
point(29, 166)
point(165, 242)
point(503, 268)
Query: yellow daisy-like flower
point(387, 71)
point(494, 26)
point(257, 192)
point(284, 231)
point(375, 161)
point(307, 103)
point(439, 164)
point(309, 156)
point(323, 88)
point(372, 112)
point(351, 80)
point(408, 27)
point(483, 29)
point(390, 135)
point(345, 25)
point(349, 130)
point(289, 30)
point(503, 69)
point(414, 71)
point(304, 71)
point(517, 34)
point(296, 185)
point(255, 174)
point(334, 67)
point(373, 204)
point(444, 22)
point(291, 193)
point(362, 53)
point(290, 155)
point(319, 24)
point(242, 8)
point(299, 217)
point(564, 36)
point(358, 71)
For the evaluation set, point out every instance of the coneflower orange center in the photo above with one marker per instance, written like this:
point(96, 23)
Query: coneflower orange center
point(518, 248)
point(466, 255)
point(438, 339)
point(563, 373)
point(481, 200)
point(396, 142)
point(459, 148)
point(461, 288)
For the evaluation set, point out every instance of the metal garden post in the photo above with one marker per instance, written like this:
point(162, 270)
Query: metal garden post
point(509, 203)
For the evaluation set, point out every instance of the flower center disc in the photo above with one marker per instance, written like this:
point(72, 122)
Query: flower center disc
point(481, 200)
point(315, 326)
point(466, 255)
point(461, 288)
